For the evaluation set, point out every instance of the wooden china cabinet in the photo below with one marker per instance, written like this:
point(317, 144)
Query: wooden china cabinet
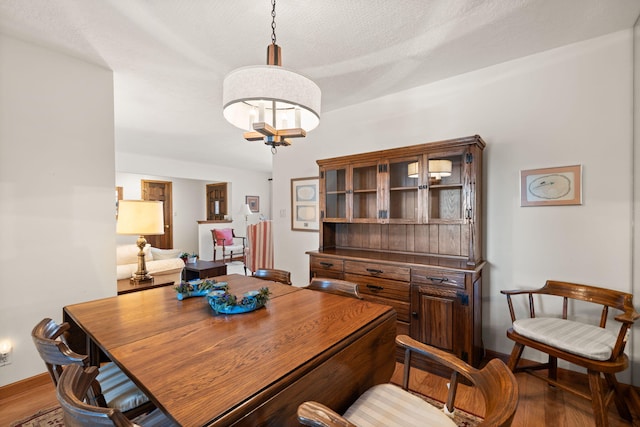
point(406, 225)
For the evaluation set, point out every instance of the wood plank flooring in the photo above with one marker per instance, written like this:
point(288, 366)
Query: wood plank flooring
point(540, 405)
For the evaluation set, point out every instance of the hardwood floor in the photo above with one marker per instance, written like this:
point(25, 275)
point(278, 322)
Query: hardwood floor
point(540, 405)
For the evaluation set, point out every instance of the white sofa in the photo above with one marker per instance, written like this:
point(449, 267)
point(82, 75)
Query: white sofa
point(163, 264)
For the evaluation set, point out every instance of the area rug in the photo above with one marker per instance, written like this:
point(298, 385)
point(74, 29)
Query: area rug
point(53, 417)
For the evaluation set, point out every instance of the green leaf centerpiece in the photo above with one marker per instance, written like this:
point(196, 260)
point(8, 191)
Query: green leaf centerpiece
point(221, 301)
point(198, 288)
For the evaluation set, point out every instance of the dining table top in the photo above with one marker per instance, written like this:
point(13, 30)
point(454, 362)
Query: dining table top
point(203, 368)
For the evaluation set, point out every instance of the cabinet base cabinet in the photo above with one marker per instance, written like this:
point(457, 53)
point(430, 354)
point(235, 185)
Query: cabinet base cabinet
point(435, 304)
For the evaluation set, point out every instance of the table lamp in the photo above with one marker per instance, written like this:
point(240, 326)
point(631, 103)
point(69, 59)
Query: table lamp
point(140, 217)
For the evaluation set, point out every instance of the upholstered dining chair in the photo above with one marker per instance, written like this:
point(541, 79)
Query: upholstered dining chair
point(273, 274)
point(335, 286)
point(73, 391)
point(393, 406)
point(225, 240)
point(112, 389)
point(595, 347)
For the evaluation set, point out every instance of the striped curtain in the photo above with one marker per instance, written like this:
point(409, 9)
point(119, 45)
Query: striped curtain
point(260, 247)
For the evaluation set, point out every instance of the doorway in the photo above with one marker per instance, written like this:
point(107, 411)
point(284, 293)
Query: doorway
point(160, 191)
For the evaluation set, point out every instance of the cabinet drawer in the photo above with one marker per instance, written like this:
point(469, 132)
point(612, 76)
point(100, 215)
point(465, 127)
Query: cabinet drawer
point(383, 288)
point(384, 271)
point(327, 264)
point(401, 307)
point(432, 276)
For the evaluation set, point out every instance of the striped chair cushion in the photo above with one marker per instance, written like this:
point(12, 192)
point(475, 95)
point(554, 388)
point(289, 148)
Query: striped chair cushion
point(589, 341)
point(388, 405)
point(118, 390)
point(154, 418)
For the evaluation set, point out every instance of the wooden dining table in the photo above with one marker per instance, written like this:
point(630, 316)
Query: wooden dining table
point(253, 369)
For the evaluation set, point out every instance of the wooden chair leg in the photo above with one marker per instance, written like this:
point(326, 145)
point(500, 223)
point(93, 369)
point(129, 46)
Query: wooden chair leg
point(515, 356)
point(634, 400)
point(553, 368)
point(598, 399)
point(618, 397)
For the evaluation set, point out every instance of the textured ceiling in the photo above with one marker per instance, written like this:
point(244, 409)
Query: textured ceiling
point(169, 57)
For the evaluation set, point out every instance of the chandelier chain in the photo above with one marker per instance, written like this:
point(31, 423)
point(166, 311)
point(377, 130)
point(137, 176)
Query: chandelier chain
point(273, 21)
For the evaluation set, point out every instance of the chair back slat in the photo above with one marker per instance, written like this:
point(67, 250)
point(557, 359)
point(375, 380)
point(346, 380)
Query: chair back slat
point(495, 381)
point(49, 341)
point(335, 286)
point(273, 274)
point(72, 389)
point(608, 297)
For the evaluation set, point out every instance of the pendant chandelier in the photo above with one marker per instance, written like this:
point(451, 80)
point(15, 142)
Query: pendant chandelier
point(271, 103)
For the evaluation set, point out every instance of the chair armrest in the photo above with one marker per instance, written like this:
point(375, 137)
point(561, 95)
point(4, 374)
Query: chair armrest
point(519, 291)
point(628, 317)
point(443, 357)
point(317, 415)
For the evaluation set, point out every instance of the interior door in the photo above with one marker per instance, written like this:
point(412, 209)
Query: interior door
point(162, 191)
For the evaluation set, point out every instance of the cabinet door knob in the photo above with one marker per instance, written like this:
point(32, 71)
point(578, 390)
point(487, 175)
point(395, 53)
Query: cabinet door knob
point(414, 314)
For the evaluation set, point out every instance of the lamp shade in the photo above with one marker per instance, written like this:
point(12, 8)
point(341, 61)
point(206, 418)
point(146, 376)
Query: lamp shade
point(440, 168)
point(271, 94)
point(412, 170)
point(140, 217)
point(246, 210)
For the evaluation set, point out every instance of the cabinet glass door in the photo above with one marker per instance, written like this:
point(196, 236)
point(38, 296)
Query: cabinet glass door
point(335, 181)
point(445, 174)
point(404, 178)
point(365, 192)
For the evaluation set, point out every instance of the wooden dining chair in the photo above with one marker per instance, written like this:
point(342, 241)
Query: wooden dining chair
point(112, 388)
point(598, 349)
point(274, 275)
point(390, 405)
point(335, 286)
point(73, 392)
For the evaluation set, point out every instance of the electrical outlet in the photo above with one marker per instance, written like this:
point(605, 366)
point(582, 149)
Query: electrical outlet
point(5, 358)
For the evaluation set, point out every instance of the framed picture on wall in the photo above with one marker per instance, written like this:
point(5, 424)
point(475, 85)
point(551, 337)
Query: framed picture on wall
point(305, 215)
point(551, 186)
point(253, 202)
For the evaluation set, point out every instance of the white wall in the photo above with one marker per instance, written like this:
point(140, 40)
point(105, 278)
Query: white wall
point(57, 218)
point(571, 105)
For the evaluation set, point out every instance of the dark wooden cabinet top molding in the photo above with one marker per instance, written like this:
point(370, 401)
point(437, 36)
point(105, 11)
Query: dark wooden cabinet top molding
point(419, 149)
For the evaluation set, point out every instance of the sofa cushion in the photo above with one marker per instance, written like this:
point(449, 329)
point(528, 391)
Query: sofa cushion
point(165, 253)
point(128, 254)
point(171, 265)
point(165, 266)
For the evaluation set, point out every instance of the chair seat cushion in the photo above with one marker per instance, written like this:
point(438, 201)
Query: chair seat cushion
point(588, 341)
point(154, 418)
point(118, 390)
point(389, 405)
